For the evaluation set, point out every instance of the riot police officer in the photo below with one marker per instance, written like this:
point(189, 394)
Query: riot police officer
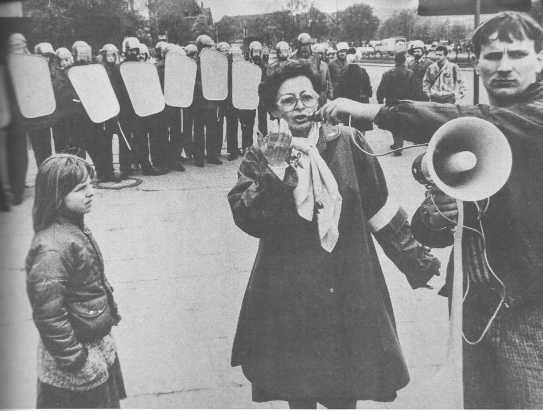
point(206, 115)
point(256, 56)
point(138, 127)
point(40, 138)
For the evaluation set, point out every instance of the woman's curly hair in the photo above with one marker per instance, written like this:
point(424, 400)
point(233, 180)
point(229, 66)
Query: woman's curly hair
point(277, 75)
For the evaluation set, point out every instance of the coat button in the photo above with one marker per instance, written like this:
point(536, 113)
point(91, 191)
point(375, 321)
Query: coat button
point(331, 290)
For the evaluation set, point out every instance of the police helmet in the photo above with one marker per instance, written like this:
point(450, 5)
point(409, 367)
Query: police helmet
point(130, 43)
point(82, 52)
point(44, 49)
point(223, 47)
point(304, 38)
point(203, 40)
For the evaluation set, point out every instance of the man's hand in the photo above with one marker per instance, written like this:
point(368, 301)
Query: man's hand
point(442, 212)
point(341, 108)
point(275, 147)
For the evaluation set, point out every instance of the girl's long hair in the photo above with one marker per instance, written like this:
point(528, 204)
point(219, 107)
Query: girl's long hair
point(57, 176)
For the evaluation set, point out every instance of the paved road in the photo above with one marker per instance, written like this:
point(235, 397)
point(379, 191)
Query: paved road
point(179, 267)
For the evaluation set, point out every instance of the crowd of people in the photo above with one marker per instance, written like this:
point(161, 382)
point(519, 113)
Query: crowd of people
point(316, 323)
point(165, 141)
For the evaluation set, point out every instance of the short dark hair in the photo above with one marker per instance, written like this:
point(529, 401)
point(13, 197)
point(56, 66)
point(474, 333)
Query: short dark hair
point(399, 59)
point(444, 49)
point(269, 87)
point(509, 25)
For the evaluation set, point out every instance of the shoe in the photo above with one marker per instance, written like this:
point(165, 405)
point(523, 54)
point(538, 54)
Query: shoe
point(106, 178)
point(199, 162)
point(17, 199)
point(232, 156)
point(153, 171)
point(397, 153)
point(177, 166)
point(214, 160)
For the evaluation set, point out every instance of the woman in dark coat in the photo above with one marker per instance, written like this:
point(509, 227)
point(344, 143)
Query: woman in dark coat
point(316, 324)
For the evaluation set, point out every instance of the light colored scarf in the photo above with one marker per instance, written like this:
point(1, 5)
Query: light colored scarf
point(317, 190)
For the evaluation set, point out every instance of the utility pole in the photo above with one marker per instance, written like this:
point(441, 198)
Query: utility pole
point(476, 22)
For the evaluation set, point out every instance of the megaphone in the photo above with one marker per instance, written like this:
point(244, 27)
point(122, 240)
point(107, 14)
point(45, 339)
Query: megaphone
point(468, 158)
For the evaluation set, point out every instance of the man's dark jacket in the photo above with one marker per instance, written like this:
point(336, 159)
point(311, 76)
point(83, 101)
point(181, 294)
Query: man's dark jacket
point(513, 223)
point(396, 84)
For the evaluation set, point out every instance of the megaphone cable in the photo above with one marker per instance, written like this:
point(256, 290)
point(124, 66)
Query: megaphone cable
point(353, 138)
point(487, 263)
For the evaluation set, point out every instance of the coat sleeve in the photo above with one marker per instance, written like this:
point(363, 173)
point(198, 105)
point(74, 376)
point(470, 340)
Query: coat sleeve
point(367, 91)
point(46, 288)
point(427, 83)
point(260, 201)
point(381, 89)
point(329, 85)
point(389, 224)
point(419, 120)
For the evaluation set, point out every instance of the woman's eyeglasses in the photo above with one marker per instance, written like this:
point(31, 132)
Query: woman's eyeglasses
point(287, 102)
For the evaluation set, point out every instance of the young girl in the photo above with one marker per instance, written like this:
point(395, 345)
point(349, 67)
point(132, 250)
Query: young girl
point(72, 301)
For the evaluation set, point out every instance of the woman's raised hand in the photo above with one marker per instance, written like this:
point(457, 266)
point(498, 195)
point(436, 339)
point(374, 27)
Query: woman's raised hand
point(275, 146)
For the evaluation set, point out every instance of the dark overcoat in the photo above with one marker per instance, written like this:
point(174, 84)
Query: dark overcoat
point(315, 324)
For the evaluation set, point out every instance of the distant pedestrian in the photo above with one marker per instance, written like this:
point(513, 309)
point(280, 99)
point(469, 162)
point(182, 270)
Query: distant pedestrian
point(418, 65)
point(355, 85)
point(442, 81)
point(72, 301)
point(338, 66)
point(396, 84)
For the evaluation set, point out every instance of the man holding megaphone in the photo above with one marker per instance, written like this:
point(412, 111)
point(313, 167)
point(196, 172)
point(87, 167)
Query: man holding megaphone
point(503, 237)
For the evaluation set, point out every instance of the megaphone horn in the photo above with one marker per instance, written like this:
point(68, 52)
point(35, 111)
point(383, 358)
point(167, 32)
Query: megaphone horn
point(468, 158)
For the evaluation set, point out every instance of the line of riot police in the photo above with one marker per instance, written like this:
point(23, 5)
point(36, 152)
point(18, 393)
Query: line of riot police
point(164, 110)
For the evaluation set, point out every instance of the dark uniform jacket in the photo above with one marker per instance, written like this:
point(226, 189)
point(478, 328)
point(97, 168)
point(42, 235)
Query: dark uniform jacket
point(315, 324)
point(513, 223)
point(397, 84)
point(419, 69)
point(72, 301)
point(336, 68)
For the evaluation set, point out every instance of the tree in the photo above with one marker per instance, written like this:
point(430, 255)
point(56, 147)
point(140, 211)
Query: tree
point(282, 23)
point(358, 22)
point(178, 29)
point(200, 26)
point(173, 17)
point(228, 29)
point(458, 32)
point(319, 23)
point(402, 23)
point(296, 7)
point(408, 24)
point(61, 22)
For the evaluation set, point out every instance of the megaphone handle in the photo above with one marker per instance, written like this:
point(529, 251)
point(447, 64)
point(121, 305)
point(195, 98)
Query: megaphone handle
point(455, 342)
point(124, 137)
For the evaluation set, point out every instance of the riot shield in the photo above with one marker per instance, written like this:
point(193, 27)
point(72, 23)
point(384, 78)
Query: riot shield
point(32, 85)
point(143, 86)
point(5, 113)
point(214, 66)
point(245, 80)
point(94, 89)
point(179, 79)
